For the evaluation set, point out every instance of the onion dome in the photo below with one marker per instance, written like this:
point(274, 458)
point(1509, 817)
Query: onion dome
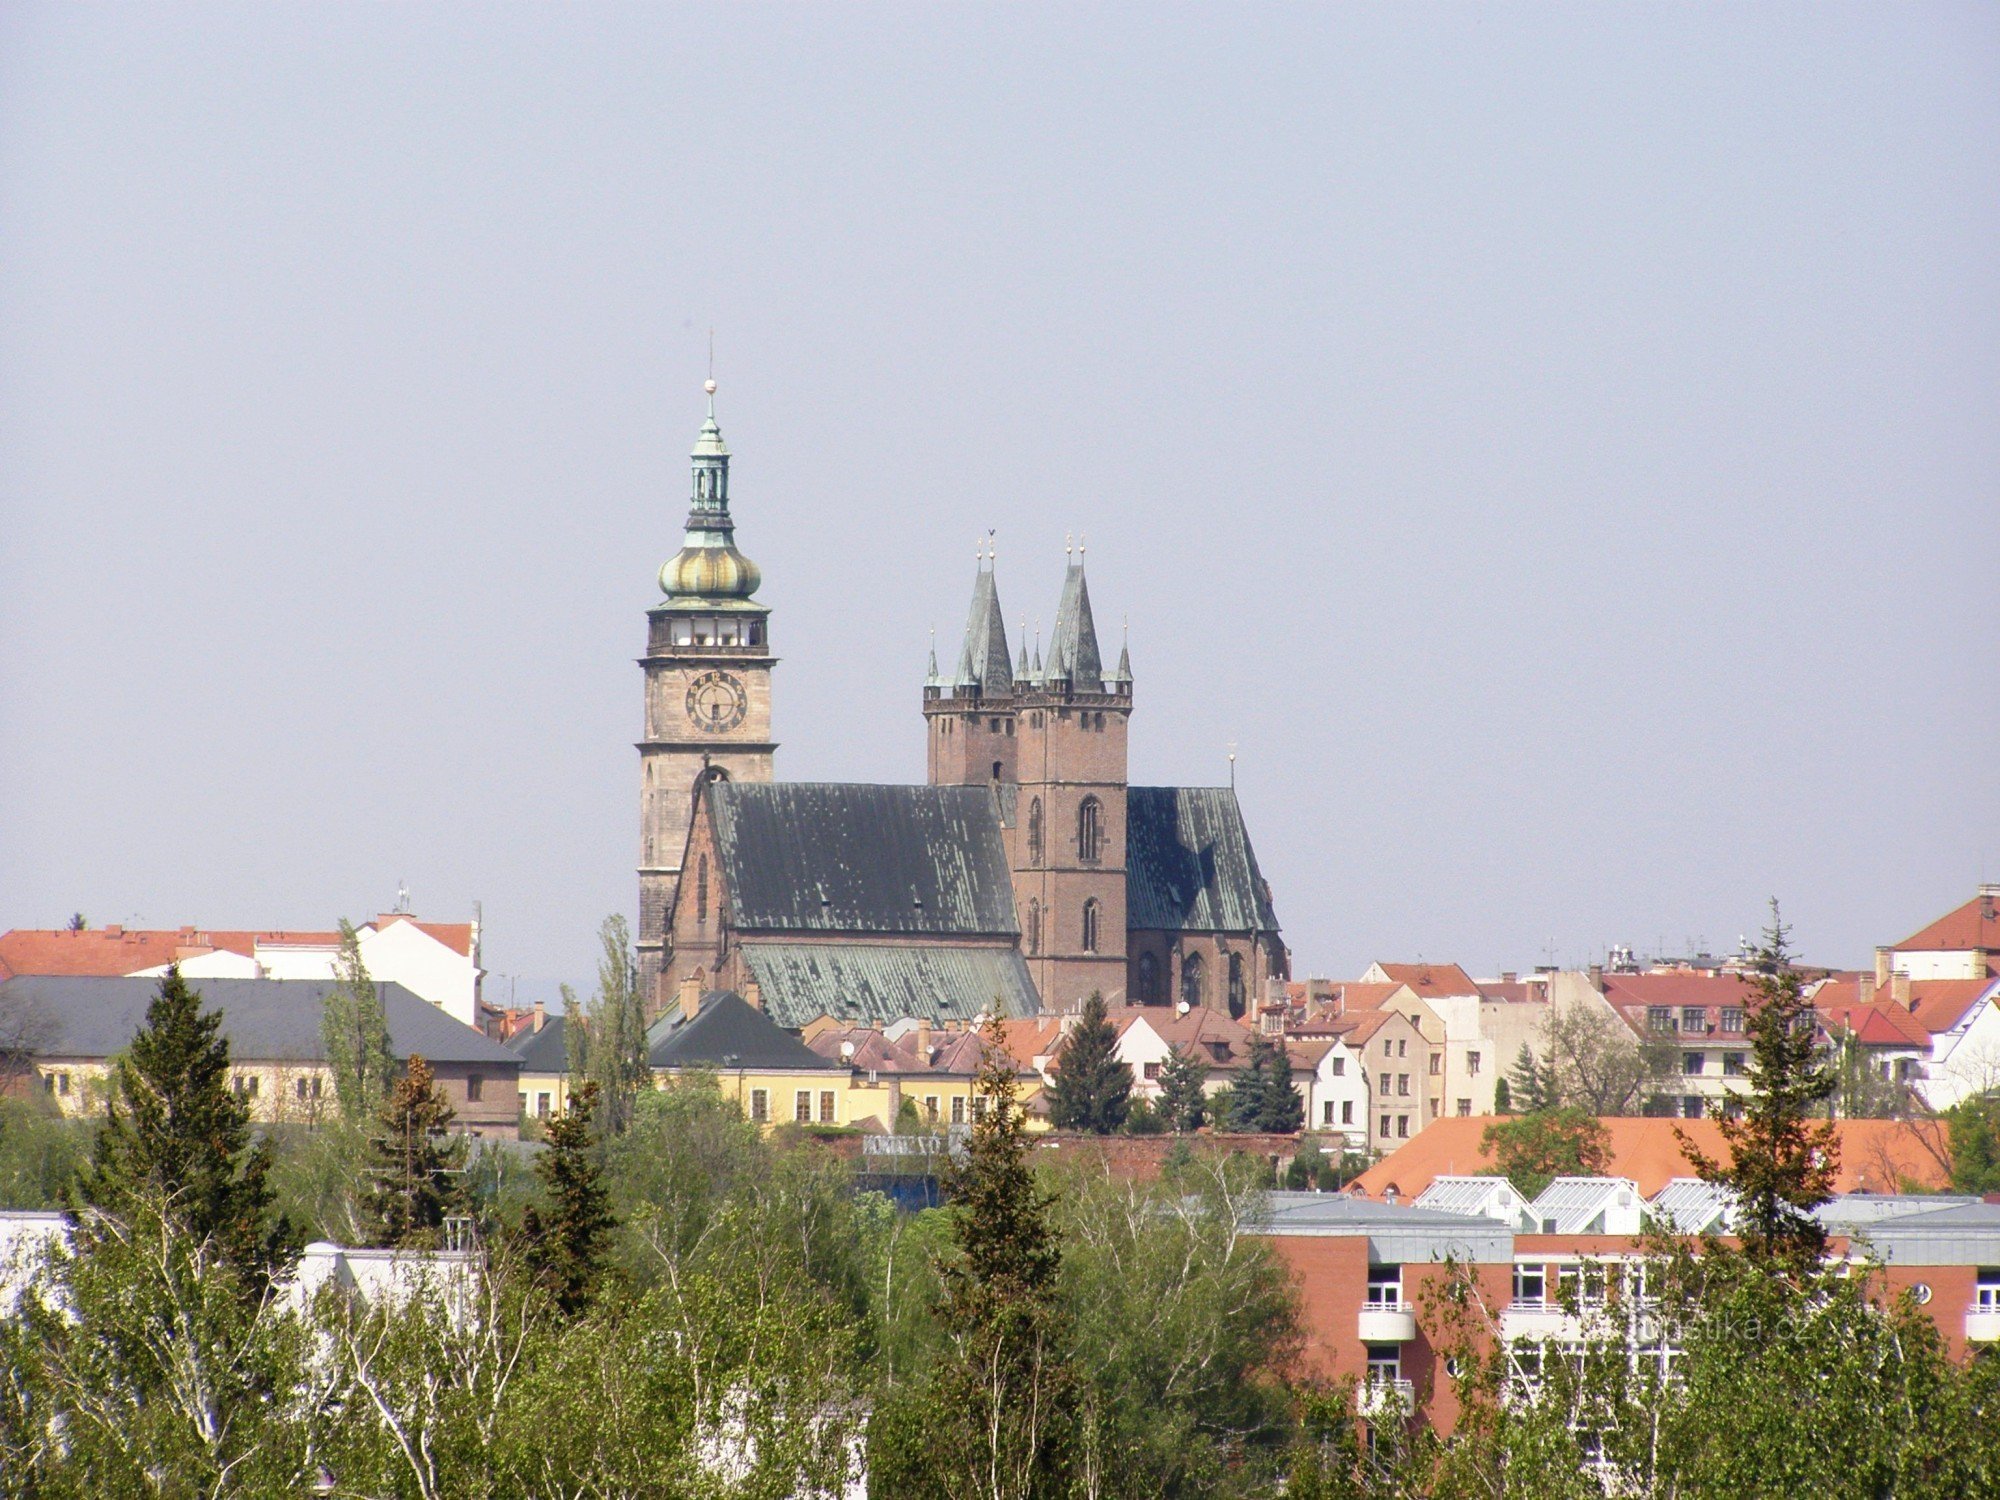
point(708, 566)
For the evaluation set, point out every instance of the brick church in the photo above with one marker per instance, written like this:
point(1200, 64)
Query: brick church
point(1025, 875)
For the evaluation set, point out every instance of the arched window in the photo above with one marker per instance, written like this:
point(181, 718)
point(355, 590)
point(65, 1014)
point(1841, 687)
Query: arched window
point(1035, 831)
point(1090, 910)
point(1034, 926)
point(1237, 999)
point(1148, 984)
point(701, 889)
point(1193, 985)
point(1089, 832)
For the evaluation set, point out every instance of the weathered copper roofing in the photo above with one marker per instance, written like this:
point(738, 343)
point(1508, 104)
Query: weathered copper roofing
point(876, 983)
point(804, 857)
point(982, 660)
point(1189, 865)
point(1073, 654)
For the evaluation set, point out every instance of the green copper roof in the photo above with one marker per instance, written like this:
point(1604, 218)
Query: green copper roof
point(708, 566)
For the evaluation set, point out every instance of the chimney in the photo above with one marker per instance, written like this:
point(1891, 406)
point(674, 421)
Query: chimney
point(1508, 976)
point(1881, 967)
point(541, 1015)
point(1867, 988)
point(690, 996)
point(1899, 990)
point(924, 1042)
point(753, 994)
point(1597, 977)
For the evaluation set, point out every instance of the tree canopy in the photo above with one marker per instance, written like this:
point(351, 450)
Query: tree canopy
point(1093, 1088)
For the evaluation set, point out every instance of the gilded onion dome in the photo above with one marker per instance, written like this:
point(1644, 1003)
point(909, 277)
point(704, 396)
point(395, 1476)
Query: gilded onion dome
point(708, 566)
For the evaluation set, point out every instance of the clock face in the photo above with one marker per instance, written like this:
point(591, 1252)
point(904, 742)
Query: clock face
point(716, 703)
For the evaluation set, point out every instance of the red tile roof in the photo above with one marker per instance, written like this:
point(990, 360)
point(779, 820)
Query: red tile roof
point(108, 952)
point(1875, 1155)
point(1430, 980)
point(1876, 1023)
point(1973, 925)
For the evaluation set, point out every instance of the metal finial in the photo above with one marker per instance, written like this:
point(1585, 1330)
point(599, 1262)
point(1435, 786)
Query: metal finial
point(1232, 765)
point(1079, 544)
point(1069, 543)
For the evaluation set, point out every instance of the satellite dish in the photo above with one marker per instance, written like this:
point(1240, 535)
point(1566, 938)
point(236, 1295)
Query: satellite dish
point(847, 1049)
point(1183, 1008)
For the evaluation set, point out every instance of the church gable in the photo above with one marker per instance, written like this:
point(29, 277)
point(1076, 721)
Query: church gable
point(835, 858)
point(1189, 865)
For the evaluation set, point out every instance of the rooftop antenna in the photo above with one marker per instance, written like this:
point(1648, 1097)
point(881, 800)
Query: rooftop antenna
point(403, 897)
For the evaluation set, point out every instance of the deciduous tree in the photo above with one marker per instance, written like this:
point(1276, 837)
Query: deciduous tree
point(354, 1030)
point(1531, 1151)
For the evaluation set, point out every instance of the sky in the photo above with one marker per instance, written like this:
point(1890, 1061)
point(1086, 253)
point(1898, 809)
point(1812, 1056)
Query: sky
point(1557, 447)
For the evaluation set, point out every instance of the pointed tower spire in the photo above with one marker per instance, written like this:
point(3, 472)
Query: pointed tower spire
point(1023, 673)
point(1073, 654)
point(708, 566)
point(931, 677)
point(1120, 680)
point(983, 666)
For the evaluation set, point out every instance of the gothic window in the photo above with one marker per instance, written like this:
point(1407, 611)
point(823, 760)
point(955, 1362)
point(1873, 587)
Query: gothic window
point(1035, 831)
point(701, 889)
point(996, 770)
point(1237, 999)
point(1149, 979)
point(1090, 911)
point(1034, 926)
point(1089, 832)
point(1193, 981)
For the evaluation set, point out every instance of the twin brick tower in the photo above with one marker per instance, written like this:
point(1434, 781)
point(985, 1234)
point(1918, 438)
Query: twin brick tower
point(1147, 894)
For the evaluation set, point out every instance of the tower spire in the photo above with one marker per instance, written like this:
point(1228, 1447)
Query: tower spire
point(1073, 654)
point(708, 566)
point(983, 665)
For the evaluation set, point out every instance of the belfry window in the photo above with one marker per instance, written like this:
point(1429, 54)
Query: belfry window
point(1090, 915)
point(1194, 989)
point(1035, 831)
point(1089, 832)
point(1034, 926)
point(1237, 999)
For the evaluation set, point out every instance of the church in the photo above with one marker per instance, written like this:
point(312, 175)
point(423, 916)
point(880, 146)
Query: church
point(1026, 874)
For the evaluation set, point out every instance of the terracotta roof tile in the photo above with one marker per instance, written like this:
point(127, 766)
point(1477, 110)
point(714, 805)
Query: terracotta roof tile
point(1429, 980)
point(1874, 1155)
point(1973, 925)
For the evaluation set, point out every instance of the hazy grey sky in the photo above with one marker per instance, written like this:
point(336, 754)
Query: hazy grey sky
point(1559, 446)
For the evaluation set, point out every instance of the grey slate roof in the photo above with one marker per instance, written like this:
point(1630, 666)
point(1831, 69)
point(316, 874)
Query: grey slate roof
point(875, 983)
point(982, 661)
point(265, 1020)
point(544, 1051)
point(833, 857)
point(729, 1032)
point(1395, 1234)
point(1965, 1234)
point(1189, 865)
point(1073, 653)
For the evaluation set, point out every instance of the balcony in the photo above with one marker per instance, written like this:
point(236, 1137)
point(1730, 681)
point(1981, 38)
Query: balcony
point(1386, 1323)
point(1982, 1323)
point(1537, 1320)
point(1375, 1397)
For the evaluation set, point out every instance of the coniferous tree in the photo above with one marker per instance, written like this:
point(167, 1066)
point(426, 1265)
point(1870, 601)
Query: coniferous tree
point(1782, 1159)
point(415, 1171)
point(177, 1136)
point(1183, 1091)
point(1093, 1089)
point(566, 1245)
point(354, 1030)
point(1531, 1087)
point(1005, 1393)
point(1265, 1099)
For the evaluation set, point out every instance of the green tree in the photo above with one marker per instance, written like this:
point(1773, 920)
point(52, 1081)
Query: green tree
point(614, 1030)
point(176, 1135)
point(1972, 1132)
point(997, 1419)
point(1531, 1151)
point(1862, 1093)
point(1782, 1158)
point(1265, 1099)
point(1184, 1091)
point(1530, 1088)
point(566, 1246)
point(1093, 1089)
point(415, 1168)
point(354, 1030)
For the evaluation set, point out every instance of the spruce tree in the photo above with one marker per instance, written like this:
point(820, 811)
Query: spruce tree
point(1093, 1089)
point(1265, 1100)
point(415, 1172)
point(1006, 1393)
point(1530, 1089)
point(565, 1247)
point(1183, 1091)
point(177, 1135)
point(1782, 1159)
